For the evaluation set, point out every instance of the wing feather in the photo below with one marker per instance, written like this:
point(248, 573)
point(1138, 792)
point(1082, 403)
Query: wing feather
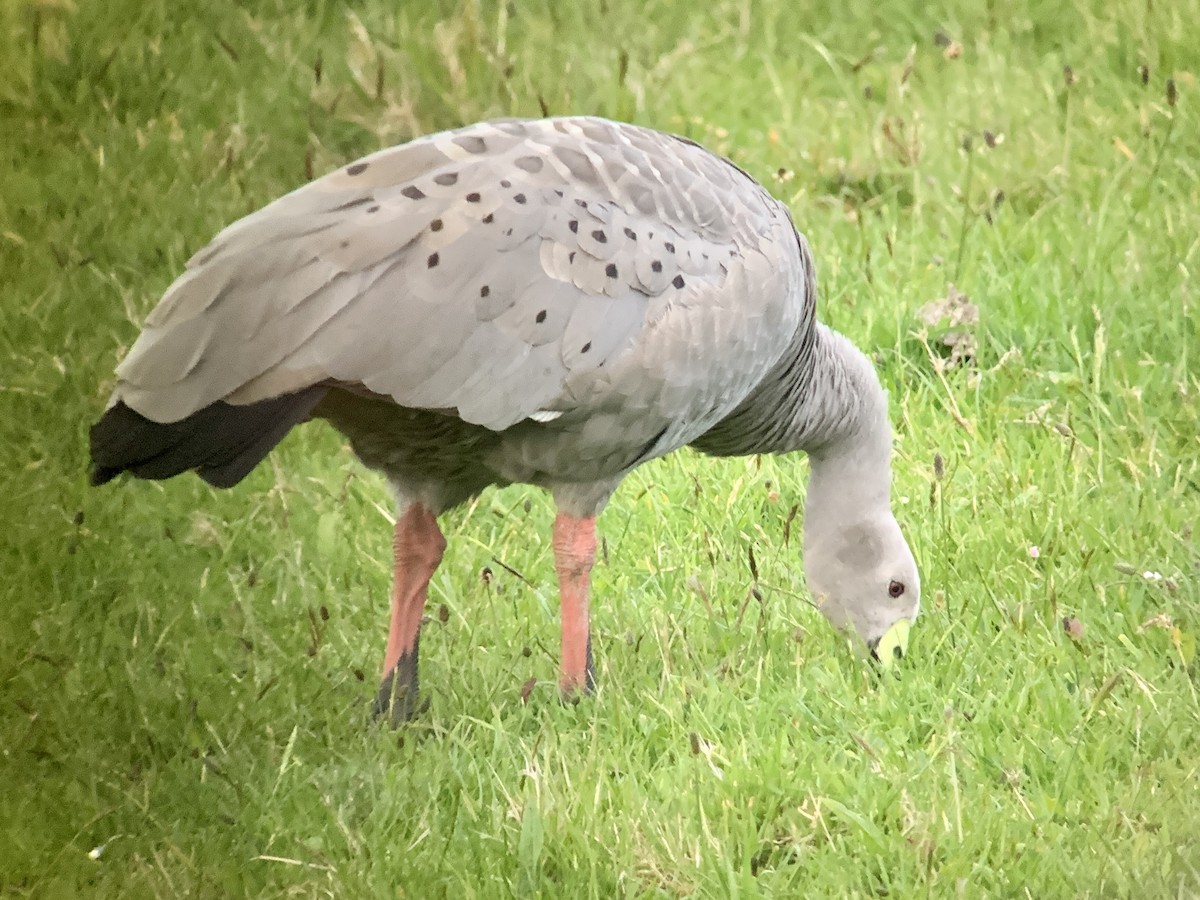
point(492, 270)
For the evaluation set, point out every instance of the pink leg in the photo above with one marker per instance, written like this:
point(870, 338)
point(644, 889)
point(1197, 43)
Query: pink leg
point(574, 554)
point(417, 549)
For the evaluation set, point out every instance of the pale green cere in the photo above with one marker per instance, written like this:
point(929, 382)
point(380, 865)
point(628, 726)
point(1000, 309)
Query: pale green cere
point(893, 644)
point(185, 675)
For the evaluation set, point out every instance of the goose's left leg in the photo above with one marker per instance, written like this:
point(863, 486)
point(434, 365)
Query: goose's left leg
point(417, 547)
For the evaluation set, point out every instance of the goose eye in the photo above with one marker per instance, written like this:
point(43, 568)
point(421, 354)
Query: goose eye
point(895, 588)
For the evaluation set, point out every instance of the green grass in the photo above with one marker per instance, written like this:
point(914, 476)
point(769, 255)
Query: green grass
point(186, 674)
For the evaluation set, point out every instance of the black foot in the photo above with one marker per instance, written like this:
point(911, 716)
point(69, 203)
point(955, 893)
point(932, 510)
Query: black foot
point(399, 699)
point(573, 693)
point(589, 680)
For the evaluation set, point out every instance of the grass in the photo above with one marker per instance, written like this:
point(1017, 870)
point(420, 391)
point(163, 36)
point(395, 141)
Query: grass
point(186, 674)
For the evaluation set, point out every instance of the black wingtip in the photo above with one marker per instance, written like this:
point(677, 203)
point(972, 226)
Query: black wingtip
point(98, 475)
point(223, 442)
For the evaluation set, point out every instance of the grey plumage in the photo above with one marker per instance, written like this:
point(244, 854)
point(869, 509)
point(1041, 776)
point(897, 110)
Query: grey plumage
point(613, 282)
point(549, 302)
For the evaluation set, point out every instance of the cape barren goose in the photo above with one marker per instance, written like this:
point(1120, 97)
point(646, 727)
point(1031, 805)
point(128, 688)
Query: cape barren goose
point(548, 302)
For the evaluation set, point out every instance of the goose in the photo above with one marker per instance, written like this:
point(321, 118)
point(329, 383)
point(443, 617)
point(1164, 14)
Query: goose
point(548, 302)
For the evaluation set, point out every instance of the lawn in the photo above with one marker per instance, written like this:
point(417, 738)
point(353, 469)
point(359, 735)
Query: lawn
point(186, 674)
